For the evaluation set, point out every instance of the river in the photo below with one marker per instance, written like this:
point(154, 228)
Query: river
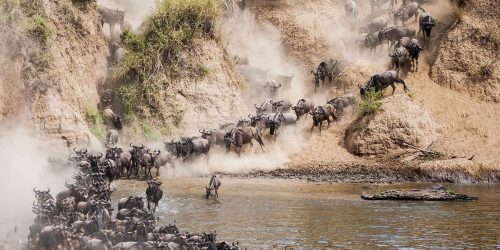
point(265, 213)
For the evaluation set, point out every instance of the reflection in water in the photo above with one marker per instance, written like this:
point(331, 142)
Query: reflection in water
point(262, 213)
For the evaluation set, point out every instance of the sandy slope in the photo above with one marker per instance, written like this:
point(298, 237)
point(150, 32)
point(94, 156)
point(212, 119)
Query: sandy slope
point(467, 126)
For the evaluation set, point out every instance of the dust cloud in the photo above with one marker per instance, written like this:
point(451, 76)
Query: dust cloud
point(24, 166)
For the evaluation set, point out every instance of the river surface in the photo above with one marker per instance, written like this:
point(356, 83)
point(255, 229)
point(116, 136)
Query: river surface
point(264, 214)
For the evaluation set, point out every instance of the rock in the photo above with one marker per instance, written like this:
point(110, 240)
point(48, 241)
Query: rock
point(398, 123)
point(436, 193)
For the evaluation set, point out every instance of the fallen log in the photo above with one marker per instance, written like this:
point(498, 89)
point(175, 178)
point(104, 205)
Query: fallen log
point(432, 194)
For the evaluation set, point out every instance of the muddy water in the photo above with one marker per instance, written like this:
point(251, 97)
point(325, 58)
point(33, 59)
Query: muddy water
point(263, 213)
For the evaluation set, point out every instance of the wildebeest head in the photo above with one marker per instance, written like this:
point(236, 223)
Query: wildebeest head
point(205, 134)
point(136, 150)
point(121, 14)
point(243, 123)
point(112, 152)
point(368, 85)
point(317, 77)
point(93, 160)
point(208, 191)
point(255, 119)
point(274, 126)
point(80, 154)
point(299, 109)
point(117, 122)
point(318, 115)
point(42, 196)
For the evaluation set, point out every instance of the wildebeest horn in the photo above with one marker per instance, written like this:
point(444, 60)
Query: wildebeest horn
point(147, 151)
point(106, 145)
point(201, 131)
point(312, 72)
point(250, 116)
point(81, 150)
point(48, 190)
point(100, 155)
point(132, 145)
point(293, 107)
point(255, 105)
point(74, 149)
point(142, 146)
point(34, 189)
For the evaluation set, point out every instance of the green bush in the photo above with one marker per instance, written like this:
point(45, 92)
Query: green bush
point(95, 120)
point(170, 30)
point(39, 29)
point(371, 102)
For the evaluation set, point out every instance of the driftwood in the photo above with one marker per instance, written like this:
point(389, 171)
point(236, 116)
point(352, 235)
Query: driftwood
point(438, 193)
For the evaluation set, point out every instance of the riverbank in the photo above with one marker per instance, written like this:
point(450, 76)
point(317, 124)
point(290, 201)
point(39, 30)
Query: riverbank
point(378, 172)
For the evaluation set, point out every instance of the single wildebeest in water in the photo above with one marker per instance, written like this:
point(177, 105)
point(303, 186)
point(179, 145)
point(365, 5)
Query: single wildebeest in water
point(342, 102)
point(381, 81)
point(153, 194)
point(322, 113)
point(426, 23)
point(112, 17)
point(213, 187)
point(303, 107)
point(324, 70)
point(413, 47)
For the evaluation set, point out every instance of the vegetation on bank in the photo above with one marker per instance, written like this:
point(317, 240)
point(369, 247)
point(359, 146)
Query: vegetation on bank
point(95, 121)
point(170, 30)
point(371, 102)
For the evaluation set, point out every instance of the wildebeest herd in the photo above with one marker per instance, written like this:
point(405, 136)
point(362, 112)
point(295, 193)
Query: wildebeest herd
point(81, 217)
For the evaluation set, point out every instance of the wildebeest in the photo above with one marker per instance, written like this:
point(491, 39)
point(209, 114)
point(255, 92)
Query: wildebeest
point(376, 5)
point(148, 162)
point(161, 158)
point(134, 212)
point(112, 137)
point(373, 41)
point(131, 202)
point(303, 107)
point(285, 81)
point(324, 70)
point(112, 119)
point(342, 102)
point(265, 107)
point(280, 119)
point(381, 81)
point(394, 33)
point(214, 136)
point(400, 59)
point(322, 113)
point(136, 154)
point(112, 17)
point(153, 193)
point(190, 147)
point(426, 22)
point(413, 47)
point(377, 24)
point(107, 96)
point(351, 9)
point(213, 187)
point(241, 136)
point(260, 122)
point(281, 106)
point(406, 11)
point(271, 88)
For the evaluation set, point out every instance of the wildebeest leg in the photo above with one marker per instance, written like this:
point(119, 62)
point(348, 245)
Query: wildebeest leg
point(328, 122)
point(320, 125)
point(416, 61)
point(158, 171)
point(393, 88)
point(404, 84)
point(149, 208)
point(111, 29)
point(312, 127)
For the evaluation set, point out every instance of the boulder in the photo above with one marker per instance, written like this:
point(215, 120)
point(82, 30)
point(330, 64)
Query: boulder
point(398, 123)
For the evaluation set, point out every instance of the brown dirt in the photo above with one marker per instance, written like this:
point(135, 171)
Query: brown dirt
point(52, 97)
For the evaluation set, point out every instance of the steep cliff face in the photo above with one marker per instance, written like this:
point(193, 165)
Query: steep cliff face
point(51, 73)
point(469, 57)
